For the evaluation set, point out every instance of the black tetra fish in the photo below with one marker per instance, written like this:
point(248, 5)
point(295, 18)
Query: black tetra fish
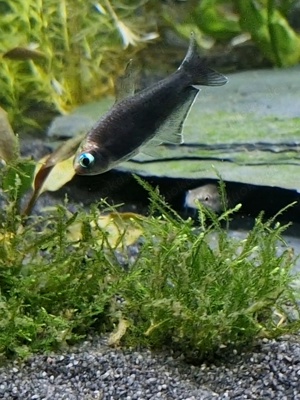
point(139, 122)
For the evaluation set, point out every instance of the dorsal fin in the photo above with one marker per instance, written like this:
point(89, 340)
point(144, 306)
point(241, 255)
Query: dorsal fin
point(125, 84)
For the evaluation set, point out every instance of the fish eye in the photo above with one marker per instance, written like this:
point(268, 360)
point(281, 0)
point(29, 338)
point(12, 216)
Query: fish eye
point(86, 160)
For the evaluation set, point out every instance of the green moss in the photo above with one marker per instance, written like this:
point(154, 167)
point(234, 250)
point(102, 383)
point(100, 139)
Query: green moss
point(181, 290)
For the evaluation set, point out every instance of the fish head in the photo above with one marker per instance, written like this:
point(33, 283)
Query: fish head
point(90, 159)
point(208, 195)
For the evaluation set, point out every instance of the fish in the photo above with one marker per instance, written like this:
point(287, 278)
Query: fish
point(141, 121)
point(208, 195)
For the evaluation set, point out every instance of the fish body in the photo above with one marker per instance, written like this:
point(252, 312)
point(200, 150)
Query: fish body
point(141, 121)
point(208, 195)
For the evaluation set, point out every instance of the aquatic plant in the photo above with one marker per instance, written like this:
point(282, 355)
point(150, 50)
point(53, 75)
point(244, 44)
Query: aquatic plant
point(62, 277)
point(57, 54)
point(266, 22)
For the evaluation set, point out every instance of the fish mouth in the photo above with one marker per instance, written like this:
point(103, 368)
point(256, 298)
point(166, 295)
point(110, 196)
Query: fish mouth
point(82, 171)
point(86, 172)
point(79, 170)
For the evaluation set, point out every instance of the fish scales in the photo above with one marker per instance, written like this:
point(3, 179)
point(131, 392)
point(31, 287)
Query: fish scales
point(137, 121)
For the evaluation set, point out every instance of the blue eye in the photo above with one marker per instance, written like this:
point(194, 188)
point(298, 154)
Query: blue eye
point(86, 160)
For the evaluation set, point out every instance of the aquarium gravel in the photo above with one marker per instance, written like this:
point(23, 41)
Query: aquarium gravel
point(95, 371)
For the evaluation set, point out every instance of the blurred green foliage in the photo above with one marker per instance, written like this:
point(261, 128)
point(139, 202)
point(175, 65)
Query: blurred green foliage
point(265, 20)
point(58, 54)
point(270, 30)
point(217, 19)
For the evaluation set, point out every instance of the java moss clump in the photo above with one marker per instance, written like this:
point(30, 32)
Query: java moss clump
point(178, 287)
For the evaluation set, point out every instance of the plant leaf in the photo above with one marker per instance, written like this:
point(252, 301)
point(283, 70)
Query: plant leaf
point(120, 226)
point(9, 148)
point(24, 53)
point(52, 178)
point(270, 31)
point(54, 170)
point(215, 18)
point(116, 335)
point(121, 229)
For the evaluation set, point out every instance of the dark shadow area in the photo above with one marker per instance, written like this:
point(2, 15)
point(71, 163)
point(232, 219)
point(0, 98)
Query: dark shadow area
point(120, 187)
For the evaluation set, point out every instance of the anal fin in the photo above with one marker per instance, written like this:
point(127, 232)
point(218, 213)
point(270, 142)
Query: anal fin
point(171, 130)
point(151, 149)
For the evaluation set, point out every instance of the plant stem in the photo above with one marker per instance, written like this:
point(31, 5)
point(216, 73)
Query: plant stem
point(272, 32)
point(63, 14)
point(111, 11)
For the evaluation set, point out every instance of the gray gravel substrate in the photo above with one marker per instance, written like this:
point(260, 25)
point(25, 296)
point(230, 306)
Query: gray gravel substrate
point(95, 371)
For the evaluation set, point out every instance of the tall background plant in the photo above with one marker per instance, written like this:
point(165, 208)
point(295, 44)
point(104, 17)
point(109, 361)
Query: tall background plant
point(60, 54)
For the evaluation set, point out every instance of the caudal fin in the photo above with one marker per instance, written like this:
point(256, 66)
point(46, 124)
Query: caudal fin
point(198, 72)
